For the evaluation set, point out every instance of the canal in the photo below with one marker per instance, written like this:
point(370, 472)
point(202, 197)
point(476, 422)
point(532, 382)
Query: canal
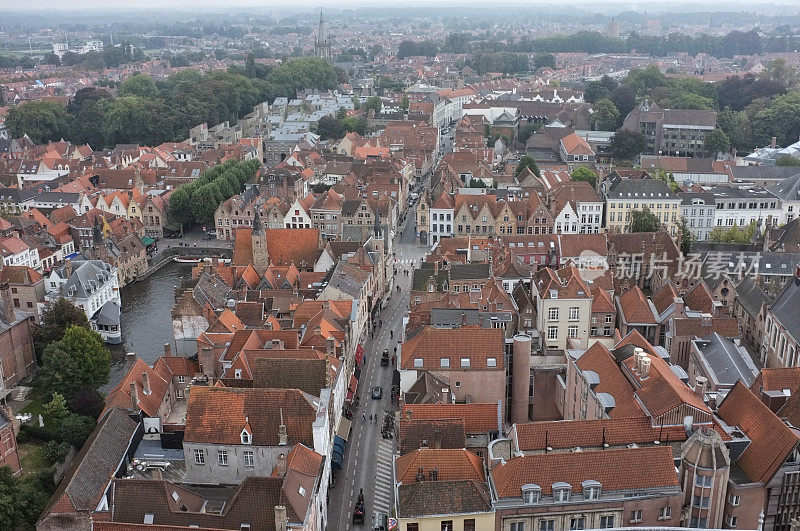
point(146, 319)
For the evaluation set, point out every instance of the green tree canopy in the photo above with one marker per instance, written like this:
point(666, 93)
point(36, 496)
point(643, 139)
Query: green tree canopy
point(787, 161)
point(55, 320)
point(606, 116)
point(627, 145)
point(717, 142)
point(329, 127)
point(138, 85)
point(582, 173)
point(526, 161)
point(644, 221)
point(79, 360)
point(686, 237)
point(373, 102)
point(781, 119)
point(41, 120)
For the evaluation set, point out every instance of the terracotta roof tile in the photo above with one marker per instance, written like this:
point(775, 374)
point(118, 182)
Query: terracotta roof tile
point(598, 359)
point(616, 470)
point(443, 497)
point(771, 440)
point(433, 344)
point(431, 433)
point(450, 464)
point(478, 418)
point(635, 307)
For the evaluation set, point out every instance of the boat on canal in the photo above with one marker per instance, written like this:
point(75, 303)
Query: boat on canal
point(197, 260)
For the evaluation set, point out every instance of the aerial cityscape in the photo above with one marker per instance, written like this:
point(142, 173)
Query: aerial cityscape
point(399, 266)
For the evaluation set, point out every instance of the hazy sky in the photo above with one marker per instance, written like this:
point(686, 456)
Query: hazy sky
point(104, 5)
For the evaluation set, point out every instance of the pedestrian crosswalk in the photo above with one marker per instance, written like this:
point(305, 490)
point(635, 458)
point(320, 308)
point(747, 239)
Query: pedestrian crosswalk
point(384, 491)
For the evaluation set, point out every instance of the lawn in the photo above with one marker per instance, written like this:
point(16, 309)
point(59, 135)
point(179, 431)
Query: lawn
point(31, 458)
point(36, 397)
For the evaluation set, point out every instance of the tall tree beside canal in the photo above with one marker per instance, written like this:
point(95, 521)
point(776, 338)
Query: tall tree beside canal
point(198, 201)
point(55, 320)
point(78, 361)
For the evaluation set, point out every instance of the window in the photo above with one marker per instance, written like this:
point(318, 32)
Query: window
point(199, 457)
point(734, 500)
point(636, 516)
point(733, 520)
point(574, 314)
point(469, 524)
point(517, 526)
point(246, 437)
point(238, 374)
point(578, 522)
point(547, 525)
point(465, 362)
point(702, 481)
point(412, 527)
point(572, 331)
point(417, 362)
point(552, 332)
point(222, 457)
point(178, 393)
point(248, 458)
point(244, 527)
point(531, 493)
point(701, 501)
point(561, 492)
point(608, 318)
point(591, 490)
point(181, 379)
point(491, 362)
point(606, 522)
point(665, 513)
point(447, 525)
point(552, 314)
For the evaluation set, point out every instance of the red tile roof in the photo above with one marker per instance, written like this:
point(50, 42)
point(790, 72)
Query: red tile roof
point(433, 344)
point(635, 307)
point(451, 464)
point(664, 297)
point(478, 418)
point(771, 440)
point(598, 359)
point(616, 470)
point(777, 379)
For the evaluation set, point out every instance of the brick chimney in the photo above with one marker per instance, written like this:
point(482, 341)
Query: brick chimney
point(167, 350)
point(280, 518)
point(134, 397)
point(420, 475)
point(146, 383)
point(281, 465)
point(644, 366)
point(68, 267)
point(283, 436)
point(700, 386)
point(330, 348)
point(8, 303)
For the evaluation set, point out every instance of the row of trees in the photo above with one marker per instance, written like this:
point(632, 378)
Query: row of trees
point(109, 57)
point(149, 113)
point(198, 201)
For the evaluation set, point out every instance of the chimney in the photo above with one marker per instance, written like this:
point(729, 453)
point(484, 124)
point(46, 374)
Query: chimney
point(280, 518)
point(463, 318)
point(8, 303)
point(283, 436)
point(436, 267)
point(145, 383)
point(773, 143)
point(330, 349)
point(644, 365)
point(637, 358)
point(420, 475)
point(700, 386)
point(281, 465)
point(317, 330)
point(435, 473)
point(167, 350)
point(134, 397)
point(68, 267)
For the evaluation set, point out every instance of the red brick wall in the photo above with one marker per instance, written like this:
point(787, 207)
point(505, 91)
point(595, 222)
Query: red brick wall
point(8, 449)
point(16, 353)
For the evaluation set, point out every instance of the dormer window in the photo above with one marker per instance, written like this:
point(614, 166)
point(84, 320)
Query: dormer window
point(531, 493)
point(238, 374)
point(561, 491)
point(247, 437)
point(591, 489)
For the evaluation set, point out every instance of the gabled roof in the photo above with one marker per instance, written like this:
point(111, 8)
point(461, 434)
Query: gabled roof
point(431, 433)
point(635, 307)
point(428, 498)
point(478, 418)
point(450, 464)
point(771, 440)
point(433, 344)
point(627, 469)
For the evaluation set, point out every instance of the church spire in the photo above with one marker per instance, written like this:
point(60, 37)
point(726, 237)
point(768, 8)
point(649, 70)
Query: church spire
point(322, 42)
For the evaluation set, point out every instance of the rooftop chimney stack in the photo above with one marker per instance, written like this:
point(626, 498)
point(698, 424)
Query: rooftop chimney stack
point(146, 383)
point(700, 386)
point(420, 475)
point(134, 397)
point(280, 518)
point(281, 466)
point(283, 436)
point(644, 365)
point(167, 350)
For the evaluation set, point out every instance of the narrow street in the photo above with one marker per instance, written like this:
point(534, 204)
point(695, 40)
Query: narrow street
point(368, 461)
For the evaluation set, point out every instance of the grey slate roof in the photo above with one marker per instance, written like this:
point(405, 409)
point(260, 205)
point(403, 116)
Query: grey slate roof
point(728, 362)
point(751, 296)
point(785, 308)
point(752, 173)
point(98, 461)
point(469, 271)
point(108, 314)
point(788, 189)
point(87, 276)
point(641, 189)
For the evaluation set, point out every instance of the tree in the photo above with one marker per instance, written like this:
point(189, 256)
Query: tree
point(781, 119)
point(606, 116)
point(87, 402)
point(717, 142)
point(138, 85)
point(627, 145)
point(644, 221)
point(734, 234)
point(373, 102)
point(686, 237)
point(598, 90)
point(405, 104)
point(75, 429)
point(41, 120)
point(787, 161)
point(526, 161)
point(623, 99)
point(79, 360)
point(527, 130)
point(10, 514)
point(582, 173)
point(543, 60)
point(180, 205)
point(55, 320)
point(204, 204)
point(329, 127)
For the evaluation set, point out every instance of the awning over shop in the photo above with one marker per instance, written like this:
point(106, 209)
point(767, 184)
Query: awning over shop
point(337, 456)
point(147, 240)
point(344, 428)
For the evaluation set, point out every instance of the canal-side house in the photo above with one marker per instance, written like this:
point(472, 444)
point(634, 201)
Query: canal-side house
point(93, 286)
point(17, 358)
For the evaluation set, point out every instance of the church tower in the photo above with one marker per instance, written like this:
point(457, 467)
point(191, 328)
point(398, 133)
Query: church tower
point(259, 242)
point(322, 42)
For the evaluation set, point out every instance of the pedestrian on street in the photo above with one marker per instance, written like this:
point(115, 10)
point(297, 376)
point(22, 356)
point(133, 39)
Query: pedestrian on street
point(364, 416)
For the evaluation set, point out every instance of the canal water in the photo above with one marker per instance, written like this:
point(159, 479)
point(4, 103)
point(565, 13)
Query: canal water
point(146, 319)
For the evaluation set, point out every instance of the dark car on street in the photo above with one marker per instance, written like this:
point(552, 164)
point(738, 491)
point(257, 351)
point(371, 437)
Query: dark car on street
point(377, 392)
